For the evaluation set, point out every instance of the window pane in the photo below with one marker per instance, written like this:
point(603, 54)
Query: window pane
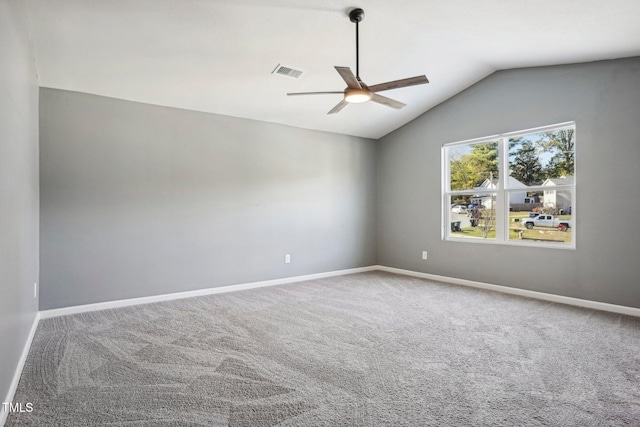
point(474, 166)
point(473, 218)
point(543, 158)
point(542, 223)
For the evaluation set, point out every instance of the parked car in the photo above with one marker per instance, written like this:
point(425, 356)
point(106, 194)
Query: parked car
point(459, 209)
point(546, 221)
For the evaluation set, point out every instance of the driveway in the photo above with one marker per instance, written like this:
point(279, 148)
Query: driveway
point(463, 218)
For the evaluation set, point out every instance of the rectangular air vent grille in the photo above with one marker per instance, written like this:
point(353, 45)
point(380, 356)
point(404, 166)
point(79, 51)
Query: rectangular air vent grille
point(287, 71)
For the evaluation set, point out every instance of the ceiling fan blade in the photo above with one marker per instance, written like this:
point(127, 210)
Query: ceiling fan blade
point(396, 84)
point(387, 101)
point(315, 93)
point(347, 75)
point(338, 107)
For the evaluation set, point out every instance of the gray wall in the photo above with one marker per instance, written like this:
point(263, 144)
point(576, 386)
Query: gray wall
point(18, 189)
point(139, 200)
point(604, 100)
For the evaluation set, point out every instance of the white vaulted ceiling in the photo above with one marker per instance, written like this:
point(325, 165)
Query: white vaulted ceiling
point(218, 56)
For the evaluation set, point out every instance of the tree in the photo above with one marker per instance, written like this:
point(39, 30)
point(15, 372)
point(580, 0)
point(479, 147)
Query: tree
point(485, 159)
point(525, 165)
point(470, 169)
point(462, 174)
point(561, 143)
point(487, 221)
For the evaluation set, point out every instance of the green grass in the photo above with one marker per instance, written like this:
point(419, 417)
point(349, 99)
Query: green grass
point(474, 232)
point(541, 234)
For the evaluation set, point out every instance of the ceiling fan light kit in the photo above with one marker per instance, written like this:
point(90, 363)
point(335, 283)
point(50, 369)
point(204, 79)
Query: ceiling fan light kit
point(356, 96)
point(357, 91)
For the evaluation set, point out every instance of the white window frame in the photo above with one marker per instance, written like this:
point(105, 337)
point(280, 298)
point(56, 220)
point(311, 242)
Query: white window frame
point(502, 205)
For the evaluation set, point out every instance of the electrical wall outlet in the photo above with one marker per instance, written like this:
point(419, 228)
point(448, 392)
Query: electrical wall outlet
point(424, 255)
point(287, 259)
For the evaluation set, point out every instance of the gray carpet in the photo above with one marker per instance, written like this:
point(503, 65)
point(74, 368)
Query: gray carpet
point(371, 349)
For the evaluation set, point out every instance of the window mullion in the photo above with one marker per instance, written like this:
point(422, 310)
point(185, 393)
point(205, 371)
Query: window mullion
point(445, 217)
point(500, 195)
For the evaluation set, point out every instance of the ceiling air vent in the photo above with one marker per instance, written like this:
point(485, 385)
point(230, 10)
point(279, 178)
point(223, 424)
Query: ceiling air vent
point(287, 71)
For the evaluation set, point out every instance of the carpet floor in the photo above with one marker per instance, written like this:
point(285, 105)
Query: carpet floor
point(370, 349)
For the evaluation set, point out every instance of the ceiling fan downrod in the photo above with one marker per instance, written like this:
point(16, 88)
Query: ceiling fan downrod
point(357, 15)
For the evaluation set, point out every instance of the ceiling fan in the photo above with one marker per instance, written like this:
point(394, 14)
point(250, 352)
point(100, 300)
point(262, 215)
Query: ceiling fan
point(357, 91)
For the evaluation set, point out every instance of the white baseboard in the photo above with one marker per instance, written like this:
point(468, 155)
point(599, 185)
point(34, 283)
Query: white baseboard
point(46, 314)
point(620, 309)
point(630, 311)
point(16, 376)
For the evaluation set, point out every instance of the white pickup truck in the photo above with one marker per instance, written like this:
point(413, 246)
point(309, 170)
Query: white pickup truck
point(546, 221)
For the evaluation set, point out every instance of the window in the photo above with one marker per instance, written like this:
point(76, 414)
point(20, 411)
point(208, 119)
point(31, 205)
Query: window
point(516, 188)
